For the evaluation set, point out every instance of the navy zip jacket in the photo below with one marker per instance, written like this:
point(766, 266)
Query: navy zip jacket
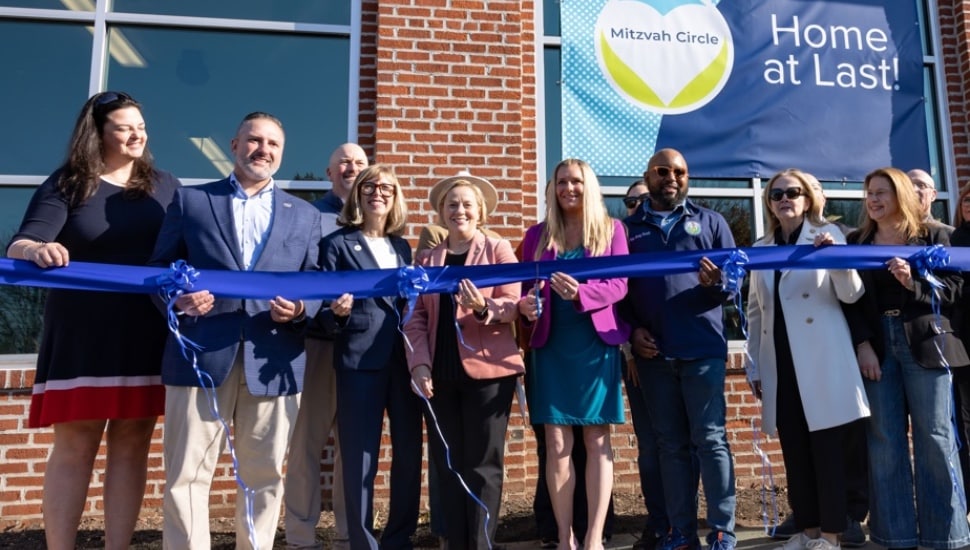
point(684, 317)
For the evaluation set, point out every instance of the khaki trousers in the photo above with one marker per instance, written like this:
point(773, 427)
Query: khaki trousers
point(317, 417)
point(194, 440)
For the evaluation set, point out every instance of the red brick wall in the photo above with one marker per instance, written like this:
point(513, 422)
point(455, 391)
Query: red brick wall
point(955, 35)
point(23, 455)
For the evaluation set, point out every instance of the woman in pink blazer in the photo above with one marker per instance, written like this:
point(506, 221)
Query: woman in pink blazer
point(463, 356)
point(575, 376)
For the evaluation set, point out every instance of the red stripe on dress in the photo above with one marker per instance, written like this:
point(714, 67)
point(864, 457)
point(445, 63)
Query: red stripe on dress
point(88, 403)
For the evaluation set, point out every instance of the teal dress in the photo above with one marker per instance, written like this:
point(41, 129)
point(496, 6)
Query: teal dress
point(575, 377)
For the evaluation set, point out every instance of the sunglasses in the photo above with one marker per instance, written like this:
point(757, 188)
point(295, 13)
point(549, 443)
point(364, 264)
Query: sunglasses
point(385, 189)
point(791, 194)
point(111, 97)
point(665, 171)
point(633, 202)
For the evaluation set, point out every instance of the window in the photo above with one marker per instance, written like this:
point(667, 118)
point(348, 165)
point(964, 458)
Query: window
point(196, 67)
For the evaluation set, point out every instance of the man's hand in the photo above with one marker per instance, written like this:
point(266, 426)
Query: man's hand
point(643, 343)
point(195, 304)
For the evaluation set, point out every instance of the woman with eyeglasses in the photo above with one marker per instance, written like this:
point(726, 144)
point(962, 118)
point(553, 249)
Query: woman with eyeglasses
point(372, 374)
point(99, 362)
point(575, 374)
point(810, 393)
point(961, 322)
point(906, 347)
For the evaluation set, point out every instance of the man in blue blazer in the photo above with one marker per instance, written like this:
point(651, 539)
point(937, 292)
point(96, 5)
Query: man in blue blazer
point(252, 349)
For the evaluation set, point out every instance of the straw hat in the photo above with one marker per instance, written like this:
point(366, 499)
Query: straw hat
point(483, 185)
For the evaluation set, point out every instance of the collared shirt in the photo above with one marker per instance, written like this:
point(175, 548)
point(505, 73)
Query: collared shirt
point(664, 220)
point(252, 217)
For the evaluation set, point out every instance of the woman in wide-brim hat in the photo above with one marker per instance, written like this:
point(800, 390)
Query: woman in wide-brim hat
point(463, 356)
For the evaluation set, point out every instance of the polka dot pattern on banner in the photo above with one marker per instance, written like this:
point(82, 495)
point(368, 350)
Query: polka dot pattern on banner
point(600, 126)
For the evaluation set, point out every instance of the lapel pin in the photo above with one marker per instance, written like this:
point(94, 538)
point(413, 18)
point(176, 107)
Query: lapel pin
point(287, 205)
point(357, 248)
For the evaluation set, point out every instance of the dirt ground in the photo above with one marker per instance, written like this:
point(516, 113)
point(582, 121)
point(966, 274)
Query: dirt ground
point(516, 524)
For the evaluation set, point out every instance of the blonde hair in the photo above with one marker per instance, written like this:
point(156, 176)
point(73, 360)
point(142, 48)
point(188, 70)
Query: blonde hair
point(353, 216)
point(597, 223)
point(911, 225)
point(813, 214)
point(479, 199)
point(959, 220)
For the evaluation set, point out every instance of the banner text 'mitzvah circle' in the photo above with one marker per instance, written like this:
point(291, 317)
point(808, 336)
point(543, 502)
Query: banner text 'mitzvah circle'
point(663, 56)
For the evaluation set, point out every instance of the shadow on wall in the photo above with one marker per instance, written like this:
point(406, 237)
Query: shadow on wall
point(21, 315)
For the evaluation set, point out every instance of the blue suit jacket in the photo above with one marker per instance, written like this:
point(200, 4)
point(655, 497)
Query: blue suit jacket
point(199, 228)
point(368, 339)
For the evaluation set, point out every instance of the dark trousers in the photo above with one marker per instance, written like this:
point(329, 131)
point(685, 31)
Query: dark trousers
point(362, 397)
point(473, 416)
point(814, 461)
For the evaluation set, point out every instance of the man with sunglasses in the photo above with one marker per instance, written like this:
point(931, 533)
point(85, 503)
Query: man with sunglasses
point(681, 352)
point(251, 351)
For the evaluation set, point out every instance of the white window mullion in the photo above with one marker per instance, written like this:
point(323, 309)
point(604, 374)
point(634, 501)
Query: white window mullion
point(99, 49)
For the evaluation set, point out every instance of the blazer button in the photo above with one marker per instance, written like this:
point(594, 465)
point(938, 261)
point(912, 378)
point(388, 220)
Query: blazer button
point(805, 295)
point(809, 320)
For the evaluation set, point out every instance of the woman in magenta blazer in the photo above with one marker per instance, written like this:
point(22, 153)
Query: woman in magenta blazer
point(575, 378)
point(463, 356)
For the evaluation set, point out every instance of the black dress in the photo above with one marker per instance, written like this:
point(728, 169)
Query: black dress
point(100, 352)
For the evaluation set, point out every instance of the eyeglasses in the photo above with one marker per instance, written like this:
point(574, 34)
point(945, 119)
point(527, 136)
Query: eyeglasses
point(664, 171)
point(111, 97)
point(370, 187)
point(633, 202)
point(791, 194)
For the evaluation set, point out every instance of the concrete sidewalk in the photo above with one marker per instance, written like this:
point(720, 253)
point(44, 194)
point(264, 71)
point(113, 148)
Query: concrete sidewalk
point(748, 539)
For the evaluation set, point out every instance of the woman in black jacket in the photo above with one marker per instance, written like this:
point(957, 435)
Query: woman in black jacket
point(904, 349)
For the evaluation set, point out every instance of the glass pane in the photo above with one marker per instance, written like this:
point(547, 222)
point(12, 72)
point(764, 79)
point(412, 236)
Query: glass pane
point(721, 184)
point(334, 12)
point(932, 129)
point(22, 306)
point(845, 211)
point(197, 85)
point(737, 212)
point(924, 29)
point(46, 87)
point(553, 108)
point(551, 18)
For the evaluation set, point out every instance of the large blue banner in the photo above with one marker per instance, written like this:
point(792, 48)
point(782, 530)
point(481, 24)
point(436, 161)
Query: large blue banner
point(744, 88)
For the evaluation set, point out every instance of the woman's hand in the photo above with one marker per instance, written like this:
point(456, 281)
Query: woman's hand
point(45, 254)
point(195, 304)
point(341, 306)
point(529, 304)
point(469, 296)
point(421, 383)
point(823, 239)
point(282, 310)
point(868, 361)
point(901, 270)
point(565, 286)
point(709, 274)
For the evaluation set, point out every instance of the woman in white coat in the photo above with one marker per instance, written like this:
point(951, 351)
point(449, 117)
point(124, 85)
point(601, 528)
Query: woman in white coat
point(803, 363)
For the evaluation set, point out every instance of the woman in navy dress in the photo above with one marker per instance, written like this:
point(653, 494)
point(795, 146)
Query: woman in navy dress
point(99, 363)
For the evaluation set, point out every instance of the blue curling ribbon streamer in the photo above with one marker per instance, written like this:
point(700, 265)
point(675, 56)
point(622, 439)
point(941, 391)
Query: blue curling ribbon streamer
point(767, 483)
point(412, 281)
point(170, 286)
point(732, 272)
point(924, 261)
point(451, 468)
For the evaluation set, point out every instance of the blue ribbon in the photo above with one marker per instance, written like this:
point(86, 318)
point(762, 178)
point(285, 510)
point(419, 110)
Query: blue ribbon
point(171, 285)
point(732, 272)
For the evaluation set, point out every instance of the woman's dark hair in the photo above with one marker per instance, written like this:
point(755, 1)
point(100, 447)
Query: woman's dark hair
point(84, 165)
